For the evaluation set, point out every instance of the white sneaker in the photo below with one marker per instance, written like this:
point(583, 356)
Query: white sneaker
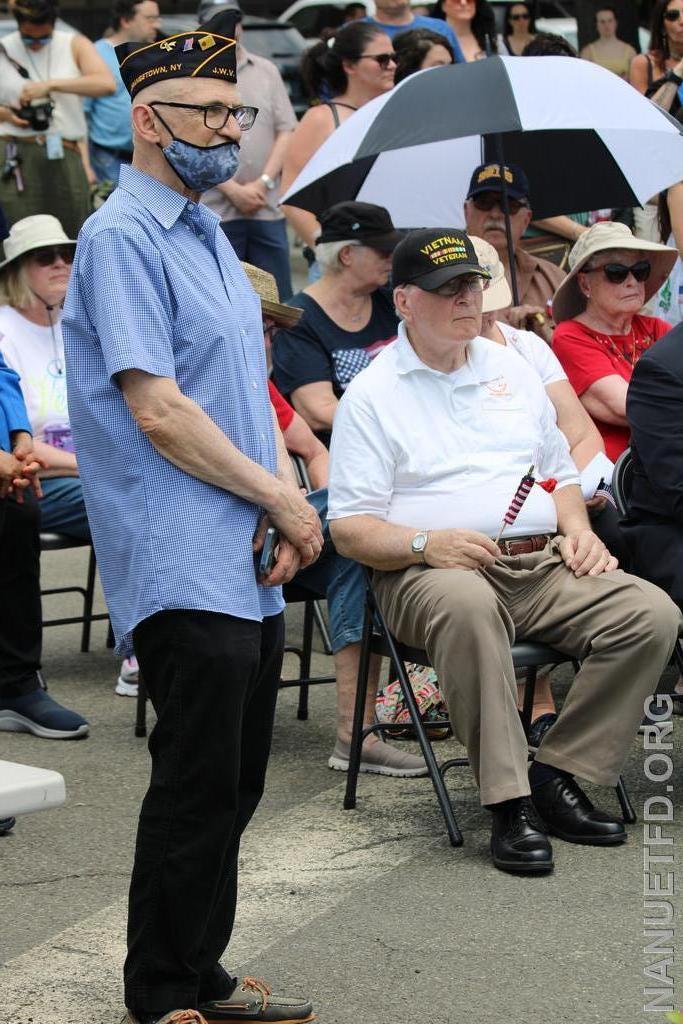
point(127, 683)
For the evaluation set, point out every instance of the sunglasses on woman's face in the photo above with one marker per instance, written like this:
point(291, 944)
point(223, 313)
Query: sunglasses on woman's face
point(520, 17)
point(616, 273)
point(672, 15)
point(46, 257)
point(383, 59)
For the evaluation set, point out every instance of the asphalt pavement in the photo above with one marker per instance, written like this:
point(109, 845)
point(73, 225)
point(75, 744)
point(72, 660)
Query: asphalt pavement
point(370, 911)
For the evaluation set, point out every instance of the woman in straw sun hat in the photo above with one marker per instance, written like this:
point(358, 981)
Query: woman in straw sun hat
point(600, 333)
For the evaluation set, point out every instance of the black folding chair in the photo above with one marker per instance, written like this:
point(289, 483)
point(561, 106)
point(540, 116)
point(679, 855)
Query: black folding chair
point(378, 639)
point(61, 542)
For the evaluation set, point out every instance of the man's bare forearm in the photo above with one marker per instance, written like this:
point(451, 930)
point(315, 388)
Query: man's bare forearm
point(183, 433)
point(285, 470)
point(373, 542)
point(571, 510)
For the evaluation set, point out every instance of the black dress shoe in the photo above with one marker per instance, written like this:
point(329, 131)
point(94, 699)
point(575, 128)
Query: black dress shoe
point(6, 825)
point(569, 814)
point(518, 839)
point(539, 727)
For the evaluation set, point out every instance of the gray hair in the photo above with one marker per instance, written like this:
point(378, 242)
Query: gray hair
point(611, 254)
point(327, 255)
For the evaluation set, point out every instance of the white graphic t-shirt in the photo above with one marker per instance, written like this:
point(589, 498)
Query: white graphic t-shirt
point(37, 354)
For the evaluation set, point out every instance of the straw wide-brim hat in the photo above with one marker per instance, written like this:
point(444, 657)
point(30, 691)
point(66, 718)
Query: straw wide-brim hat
point(497, 295)
point(569, 301)
point(32, 233)
point(265, 285)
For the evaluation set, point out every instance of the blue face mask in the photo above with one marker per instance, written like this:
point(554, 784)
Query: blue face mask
point(200, 167)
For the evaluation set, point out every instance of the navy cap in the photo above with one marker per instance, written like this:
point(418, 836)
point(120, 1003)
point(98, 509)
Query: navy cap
point(486, 178)
point(202, 53)
point(430, 257)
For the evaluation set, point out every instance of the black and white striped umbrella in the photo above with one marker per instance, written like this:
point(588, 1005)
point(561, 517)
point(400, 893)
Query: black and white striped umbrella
point(586, 139)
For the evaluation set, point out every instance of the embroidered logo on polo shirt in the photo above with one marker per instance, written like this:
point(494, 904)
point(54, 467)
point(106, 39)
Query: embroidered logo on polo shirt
point(497, 387)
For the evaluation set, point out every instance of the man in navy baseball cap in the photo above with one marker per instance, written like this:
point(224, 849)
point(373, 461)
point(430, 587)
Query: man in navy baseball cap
point(537, 279)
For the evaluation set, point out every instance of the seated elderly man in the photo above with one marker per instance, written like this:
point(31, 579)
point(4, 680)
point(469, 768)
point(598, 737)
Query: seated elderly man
point(428, 449)
point(537, 279)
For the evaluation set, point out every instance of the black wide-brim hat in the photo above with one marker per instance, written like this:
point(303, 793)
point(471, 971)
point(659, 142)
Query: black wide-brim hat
point(202, 53)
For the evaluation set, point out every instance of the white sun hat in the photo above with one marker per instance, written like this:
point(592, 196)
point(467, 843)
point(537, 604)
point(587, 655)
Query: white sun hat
point(497, 295)
point(31, 233)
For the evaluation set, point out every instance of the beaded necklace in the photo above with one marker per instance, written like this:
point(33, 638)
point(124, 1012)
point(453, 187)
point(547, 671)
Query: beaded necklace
point(637, 349)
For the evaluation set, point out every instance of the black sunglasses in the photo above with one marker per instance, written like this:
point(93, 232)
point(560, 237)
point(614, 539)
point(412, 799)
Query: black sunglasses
point(520, 17)
point(216, 115)
point(383, 59)
point(485, 202)
point(46, 257)
point(616, 273)
point(672, 15)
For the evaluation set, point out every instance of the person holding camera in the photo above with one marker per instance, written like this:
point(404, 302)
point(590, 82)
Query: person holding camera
point(43, 134)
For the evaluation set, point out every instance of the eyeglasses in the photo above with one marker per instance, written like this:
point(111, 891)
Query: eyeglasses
point(383, 59)
point(46, 257)
point(485, 202)
point(216, 115)
point(520, 17)
point(451, 289)
point(672, 15)
point(616, 273)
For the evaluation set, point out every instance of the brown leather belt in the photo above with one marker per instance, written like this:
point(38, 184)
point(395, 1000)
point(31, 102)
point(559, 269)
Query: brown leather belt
point(524, 545)
point(38, 139)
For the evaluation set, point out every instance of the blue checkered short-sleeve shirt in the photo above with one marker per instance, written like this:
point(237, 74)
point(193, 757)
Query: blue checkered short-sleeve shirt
point(157, 287)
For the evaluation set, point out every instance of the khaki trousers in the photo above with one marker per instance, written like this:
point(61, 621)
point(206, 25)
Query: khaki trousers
point(623, 630)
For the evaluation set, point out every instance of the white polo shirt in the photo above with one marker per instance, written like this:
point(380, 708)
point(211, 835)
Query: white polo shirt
point(432, 450)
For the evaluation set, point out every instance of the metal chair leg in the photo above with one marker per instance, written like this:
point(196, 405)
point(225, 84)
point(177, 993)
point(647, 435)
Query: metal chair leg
point(454, 833)
point(111, 642)
point(88, 602)
point(305, 661)
point(630, 816)
point(358, 713)
point(141, 708)
point(529, 694)
point(322, 628)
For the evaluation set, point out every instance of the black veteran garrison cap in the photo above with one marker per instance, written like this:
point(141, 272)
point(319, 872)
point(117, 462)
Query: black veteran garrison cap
point(202, 53)
point(431, 257)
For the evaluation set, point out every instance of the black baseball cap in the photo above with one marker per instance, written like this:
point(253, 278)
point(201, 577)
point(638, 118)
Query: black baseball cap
point(431, 257)
point(486, 178)
point(359, 222)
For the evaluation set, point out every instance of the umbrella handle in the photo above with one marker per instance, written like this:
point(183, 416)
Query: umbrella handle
point(498, 147)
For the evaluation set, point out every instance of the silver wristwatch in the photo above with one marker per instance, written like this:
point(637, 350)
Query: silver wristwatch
point(268, 182)
point(419, 543)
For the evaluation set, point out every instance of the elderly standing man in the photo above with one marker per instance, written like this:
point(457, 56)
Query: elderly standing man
point(428, 449)
point(182, 465)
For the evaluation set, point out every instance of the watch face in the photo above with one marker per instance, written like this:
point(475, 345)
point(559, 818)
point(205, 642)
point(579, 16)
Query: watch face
point(419, 542)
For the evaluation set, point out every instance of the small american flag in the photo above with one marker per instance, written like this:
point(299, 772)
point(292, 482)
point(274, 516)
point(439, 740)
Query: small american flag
point(520, 496)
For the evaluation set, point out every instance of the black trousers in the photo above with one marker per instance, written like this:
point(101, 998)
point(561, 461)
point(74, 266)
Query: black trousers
point(21, 627)
point(213, 682)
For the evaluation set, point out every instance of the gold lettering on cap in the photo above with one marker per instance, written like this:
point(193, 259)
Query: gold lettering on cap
point(167, 44)
point(493, 171)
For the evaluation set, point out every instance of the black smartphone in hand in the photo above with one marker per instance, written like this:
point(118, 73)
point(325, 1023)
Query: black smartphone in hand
point(267, 559)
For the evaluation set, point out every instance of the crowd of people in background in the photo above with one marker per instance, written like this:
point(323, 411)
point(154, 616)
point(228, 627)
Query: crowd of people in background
point(583, 319)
